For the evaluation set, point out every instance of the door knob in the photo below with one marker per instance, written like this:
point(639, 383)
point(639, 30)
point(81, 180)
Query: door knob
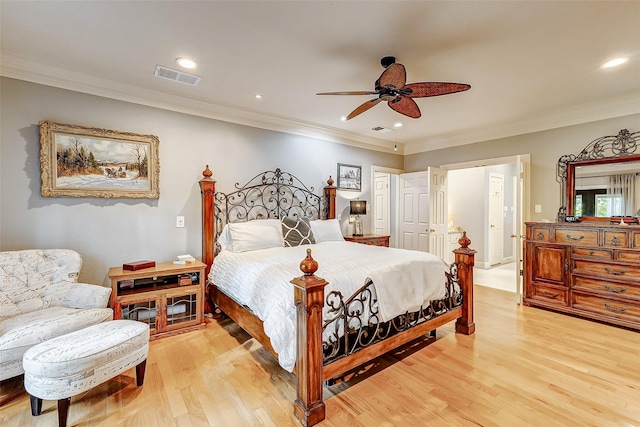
point(493, 226)
point(431, 230)
point(513, 236)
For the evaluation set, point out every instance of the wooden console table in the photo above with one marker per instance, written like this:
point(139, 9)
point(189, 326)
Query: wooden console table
point(169, 297)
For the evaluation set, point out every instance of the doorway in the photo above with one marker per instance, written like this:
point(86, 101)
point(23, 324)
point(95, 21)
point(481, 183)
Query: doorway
point(517, 211)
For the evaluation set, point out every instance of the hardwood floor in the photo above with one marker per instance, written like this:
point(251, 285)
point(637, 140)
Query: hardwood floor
point(524, 366)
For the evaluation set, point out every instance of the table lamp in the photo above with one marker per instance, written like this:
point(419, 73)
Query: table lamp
point(357, 208)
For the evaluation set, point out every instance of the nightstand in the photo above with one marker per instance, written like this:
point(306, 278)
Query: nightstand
point(369, 239)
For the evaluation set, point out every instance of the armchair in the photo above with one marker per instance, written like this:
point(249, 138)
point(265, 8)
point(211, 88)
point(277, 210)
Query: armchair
point(40, 299)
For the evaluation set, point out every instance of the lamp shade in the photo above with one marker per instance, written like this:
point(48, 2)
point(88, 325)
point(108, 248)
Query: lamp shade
point(358, 207)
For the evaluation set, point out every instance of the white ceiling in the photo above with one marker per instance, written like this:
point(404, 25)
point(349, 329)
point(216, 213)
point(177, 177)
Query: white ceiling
point(532, 65)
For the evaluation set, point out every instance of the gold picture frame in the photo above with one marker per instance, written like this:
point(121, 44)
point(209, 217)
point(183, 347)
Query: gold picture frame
point(79, 161)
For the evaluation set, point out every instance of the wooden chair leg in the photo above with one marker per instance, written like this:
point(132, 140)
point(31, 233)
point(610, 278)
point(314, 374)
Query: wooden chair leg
point(36, 405)
point(63, 411)
point(140, 369)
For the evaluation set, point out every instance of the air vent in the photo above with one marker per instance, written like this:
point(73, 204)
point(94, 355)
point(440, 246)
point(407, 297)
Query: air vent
point(177, 76)
point(381, 129)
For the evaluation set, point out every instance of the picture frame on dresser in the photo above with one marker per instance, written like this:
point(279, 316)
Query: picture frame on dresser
point(80, 161)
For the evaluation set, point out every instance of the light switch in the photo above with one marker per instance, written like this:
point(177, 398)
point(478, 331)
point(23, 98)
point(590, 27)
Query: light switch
point(179, 221)
point(538, 209)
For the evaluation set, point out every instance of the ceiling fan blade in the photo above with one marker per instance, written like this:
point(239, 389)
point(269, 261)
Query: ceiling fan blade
point(406, 106)
point(395, 75)
point(426, 89)
point(364, 107)
point(361, 92)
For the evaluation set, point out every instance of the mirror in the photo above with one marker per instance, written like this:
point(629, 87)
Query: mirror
point(603, 181)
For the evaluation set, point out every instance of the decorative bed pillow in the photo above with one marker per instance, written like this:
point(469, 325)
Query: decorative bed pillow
point(326, 231)
point(297, 231)
point(252, 235)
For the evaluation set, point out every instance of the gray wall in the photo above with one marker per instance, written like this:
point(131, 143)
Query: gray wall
point(545, 148)
point(108, 232)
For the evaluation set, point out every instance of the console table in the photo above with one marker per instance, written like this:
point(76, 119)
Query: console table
point(168, 297)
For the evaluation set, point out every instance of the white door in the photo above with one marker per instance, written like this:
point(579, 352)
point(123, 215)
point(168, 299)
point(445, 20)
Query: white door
point(496, 218)
point(438, 213)
point(414, 211)
point(381, 195)
point(522, 215)
point(423, 211)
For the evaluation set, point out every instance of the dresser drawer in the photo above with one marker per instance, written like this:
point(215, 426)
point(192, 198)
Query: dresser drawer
point(578, 236)
point(628, 310)
point(619, 272)
point(540, 234)
point(592, 253)
point(617, 239)
point(629, 256)
point(549, 294)
point(628, 290)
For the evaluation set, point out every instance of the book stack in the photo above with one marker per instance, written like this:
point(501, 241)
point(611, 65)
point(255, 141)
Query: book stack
point(184, 259)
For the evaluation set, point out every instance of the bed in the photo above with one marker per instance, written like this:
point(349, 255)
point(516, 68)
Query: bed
point(329, 327)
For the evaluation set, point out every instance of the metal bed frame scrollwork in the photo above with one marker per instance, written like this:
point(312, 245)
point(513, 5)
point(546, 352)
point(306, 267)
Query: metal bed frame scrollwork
point(354, 339)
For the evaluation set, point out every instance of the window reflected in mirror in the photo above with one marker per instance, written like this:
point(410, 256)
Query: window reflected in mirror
point(607, 190)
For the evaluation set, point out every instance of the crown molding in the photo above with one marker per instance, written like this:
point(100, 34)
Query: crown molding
point(591, 112)
point(13, 66)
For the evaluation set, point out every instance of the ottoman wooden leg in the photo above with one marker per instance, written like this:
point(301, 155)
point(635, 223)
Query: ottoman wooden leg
point(140, 368)
point(63, 411)
point(36, 405)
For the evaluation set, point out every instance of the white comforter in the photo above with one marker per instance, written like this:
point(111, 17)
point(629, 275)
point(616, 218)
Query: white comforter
point(260, 279)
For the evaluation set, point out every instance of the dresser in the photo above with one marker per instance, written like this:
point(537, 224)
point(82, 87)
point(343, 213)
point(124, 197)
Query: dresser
point(370, 239)
point(589, 269)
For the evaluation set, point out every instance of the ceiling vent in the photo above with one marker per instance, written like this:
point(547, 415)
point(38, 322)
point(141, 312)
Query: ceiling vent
point(381, 129)
point(177, 76)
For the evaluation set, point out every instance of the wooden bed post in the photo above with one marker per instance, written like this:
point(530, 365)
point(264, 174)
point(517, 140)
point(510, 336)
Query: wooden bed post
point(465, 260)
point(330, 195)
point(308, 291)
point(207, 190)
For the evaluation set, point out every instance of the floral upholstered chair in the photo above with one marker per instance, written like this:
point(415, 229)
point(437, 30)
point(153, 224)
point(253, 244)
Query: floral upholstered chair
point(40, 299)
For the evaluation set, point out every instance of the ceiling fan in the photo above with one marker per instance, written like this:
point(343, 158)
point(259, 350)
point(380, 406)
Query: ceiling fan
point(391, 87)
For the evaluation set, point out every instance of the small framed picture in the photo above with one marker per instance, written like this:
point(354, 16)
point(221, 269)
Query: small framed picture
point(349, 177)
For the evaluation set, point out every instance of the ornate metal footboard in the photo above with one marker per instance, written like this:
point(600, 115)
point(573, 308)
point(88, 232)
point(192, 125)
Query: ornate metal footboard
point(353, 324)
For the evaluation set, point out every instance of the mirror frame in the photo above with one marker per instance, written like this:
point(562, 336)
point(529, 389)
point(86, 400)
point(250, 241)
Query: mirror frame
point(604, 150)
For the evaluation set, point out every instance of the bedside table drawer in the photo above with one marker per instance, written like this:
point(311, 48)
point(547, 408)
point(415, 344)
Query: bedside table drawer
point(369, 239)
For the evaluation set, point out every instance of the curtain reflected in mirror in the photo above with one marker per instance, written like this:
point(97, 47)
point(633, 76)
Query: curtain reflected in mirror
point(605, 193)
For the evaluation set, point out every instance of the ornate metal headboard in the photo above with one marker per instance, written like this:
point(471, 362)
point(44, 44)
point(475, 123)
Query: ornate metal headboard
point(271, 194)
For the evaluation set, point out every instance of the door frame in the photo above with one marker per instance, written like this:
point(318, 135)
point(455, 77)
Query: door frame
point(522, 205)
point(393, 201)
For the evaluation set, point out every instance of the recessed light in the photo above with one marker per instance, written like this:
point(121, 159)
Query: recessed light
point(614, 62)
point(397, 125)
point(258, 96)
point(343, 118)
point(186, 63)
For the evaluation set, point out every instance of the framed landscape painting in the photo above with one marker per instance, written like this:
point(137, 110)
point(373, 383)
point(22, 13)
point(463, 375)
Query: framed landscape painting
point(349, 177)
point(78, 161)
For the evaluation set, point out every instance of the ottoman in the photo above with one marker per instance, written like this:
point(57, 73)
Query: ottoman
point(73, 363)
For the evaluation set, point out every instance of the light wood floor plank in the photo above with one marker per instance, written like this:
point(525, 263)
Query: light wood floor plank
point(524, 366)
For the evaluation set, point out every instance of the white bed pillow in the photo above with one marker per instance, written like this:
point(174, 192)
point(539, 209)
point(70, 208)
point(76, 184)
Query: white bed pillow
point(251, 235)
point(328, 230)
